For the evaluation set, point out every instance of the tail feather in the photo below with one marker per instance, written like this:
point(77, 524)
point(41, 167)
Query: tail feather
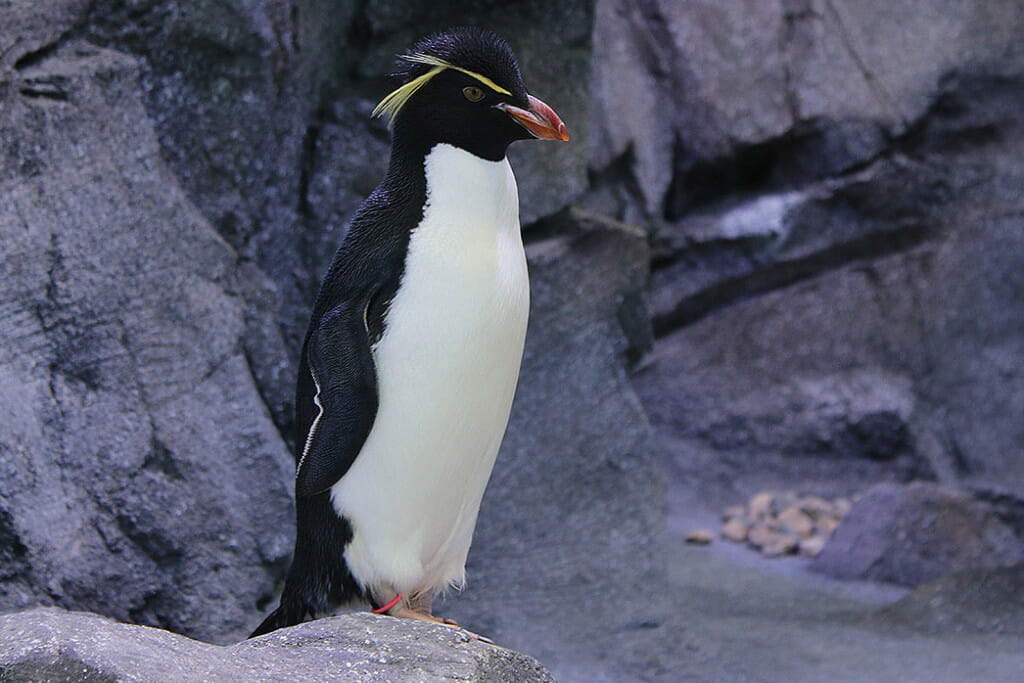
point(287, 614)
point(318, 578)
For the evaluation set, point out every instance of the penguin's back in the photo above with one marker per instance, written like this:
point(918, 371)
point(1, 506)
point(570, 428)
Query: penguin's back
point(447, 363)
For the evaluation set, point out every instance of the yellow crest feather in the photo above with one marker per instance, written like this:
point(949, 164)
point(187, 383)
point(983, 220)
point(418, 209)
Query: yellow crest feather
point(396, 99)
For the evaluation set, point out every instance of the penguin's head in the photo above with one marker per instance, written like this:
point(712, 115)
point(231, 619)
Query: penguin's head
point(462, 87)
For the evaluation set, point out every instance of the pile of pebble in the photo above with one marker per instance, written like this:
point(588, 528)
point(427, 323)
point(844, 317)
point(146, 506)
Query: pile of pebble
point(779, 524)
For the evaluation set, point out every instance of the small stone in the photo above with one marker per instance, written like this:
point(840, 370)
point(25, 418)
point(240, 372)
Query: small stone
point(816, 506)
point(811, 546)
point(784, 523)
point(735, 530)
point(763, 534)
point(782, 501)
point(782, 544)
point(796, 520)
point(700, 537)
point(761, 505)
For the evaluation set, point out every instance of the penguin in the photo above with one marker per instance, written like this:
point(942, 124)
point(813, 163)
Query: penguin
point(412, 353)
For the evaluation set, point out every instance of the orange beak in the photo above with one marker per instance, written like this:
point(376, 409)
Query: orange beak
point(540, 119)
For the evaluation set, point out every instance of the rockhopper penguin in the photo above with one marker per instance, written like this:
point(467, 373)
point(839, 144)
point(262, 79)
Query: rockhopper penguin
point(412, 354)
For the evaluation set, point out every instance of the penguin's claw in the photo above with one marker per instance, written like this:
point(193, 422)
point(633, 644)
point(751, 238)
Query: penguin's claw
point(401, 611)
point(477, 636)
point(405, 612)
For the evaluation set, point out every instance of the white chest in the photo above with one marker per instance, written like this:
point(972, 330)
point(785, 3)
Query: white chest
point(447, 365)
point(465, 279)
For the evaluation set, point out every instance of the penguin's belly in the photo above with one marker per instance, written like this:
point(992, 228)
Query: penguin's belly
point(447, 367)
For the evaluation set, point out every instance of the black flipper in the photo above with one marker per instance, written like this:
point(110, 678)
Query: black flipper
point(318, 578)
point(345, 380)
point(338, 366)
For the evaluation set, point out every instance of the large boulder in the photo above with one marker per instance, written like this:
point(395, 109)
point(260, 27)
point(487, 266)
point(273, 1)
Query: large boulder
point(860, 328)
point(140, 473)
point(914, 533)
point(972, 601)
point(710, 99)
point(54, 645)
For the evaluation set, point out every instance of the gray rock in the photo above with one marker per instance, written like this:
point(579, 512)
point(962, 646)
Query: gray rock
point(976, 601)
point(917, 532)
point(633, 86)
point(746, 400)
point(709, 98)
point(869, 329)
point(54, 645)
point(231, 89)
point(710, 260)
point(852, 61)
point(140, 473)
point(349, 158)
point(568, 559)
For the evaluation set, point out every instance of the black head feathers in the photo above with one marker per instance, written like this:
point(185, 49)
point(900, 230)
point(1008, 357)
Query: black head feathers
point(462, 86)
point(471, 48)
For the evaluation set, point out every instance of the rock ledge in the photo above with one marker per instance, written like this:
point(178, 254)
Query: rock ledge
point(56, 645)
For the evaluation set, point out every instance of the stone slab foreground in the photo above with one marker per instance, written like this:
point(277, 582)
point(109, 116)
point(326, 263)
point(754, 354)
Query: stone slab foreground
point(56, 645)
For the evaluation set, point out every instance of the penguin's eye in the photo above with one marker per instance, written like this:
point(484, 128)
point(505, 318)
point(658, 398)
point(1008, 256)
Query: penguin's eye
point(473, 93)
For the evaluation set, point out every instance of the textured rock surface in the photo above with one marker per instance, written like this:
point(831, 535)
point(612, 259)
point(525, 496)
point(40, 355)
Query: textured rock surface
point(712, 99)
point(917, 532)
point(140, 474)
point(54, 645)
point(858, 329)
point(230, 88)
point(982, 601)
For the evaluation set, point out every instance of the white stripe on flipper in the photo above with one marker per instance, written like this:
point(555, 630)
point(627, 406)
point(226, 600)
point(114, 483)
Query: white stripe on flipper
point(316, 422)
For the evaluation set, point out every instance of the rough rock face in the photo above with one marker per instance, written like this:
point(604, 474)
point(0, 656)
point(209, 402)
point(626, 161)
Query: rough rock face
point(985, 601)
point(911, 534)
point(233, 89)
point(837, 302)
point(140, 474)
point(711, 99)
point(54, 645)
